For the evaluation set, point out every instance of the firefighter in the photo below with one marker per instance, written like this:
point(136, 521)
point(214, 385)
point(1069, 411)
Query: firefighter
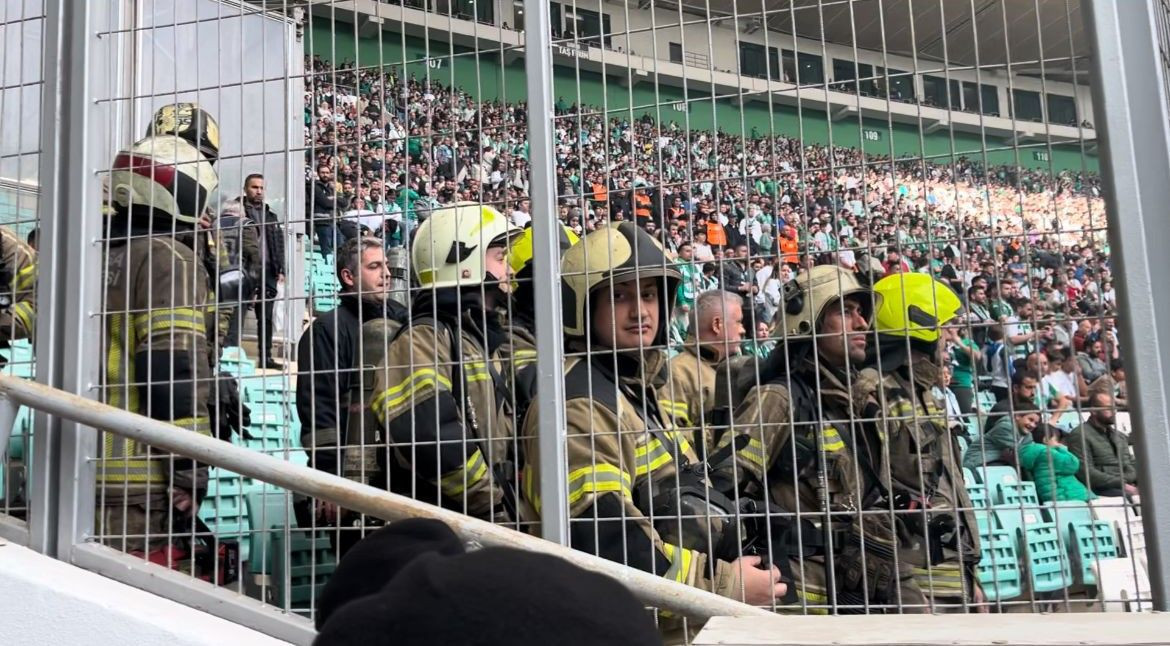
point(519, 349)
point(442, 404)
point(18, 280)
point(156, 358)
point(191, 123)
point(802, 445)
point(716, 331)
point(626, 462)
point(925, 476)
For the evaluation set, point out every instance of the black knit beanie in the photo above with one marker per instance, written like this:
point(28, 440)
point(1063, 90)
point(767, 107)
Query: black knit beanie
point(379, 557)
point(494, 596)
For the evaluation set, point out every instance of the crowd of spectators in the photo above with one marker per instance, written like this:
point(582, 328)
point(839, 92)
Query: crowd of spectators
point(1024, 249)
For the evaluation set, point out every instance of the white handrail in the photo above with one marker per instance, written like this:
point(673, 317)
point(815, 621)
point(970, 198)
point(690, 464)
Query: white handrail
point(653, 590)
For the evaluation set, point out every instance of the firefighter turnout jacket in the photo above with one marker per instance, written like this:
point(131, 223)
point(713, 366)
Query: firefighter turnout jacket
point(446, 413)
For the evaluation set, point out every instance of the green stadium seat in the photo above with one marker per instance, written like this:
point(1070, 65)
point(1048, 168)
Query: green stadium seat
point(999, 566)
point(234, 361)
point(969, 477)
point(269, 513)
point(224, 509)
point(301, 565)
point(21, 437)
point(981, 504)
point(985, 401)
point(1039, 544)
point(1092, 542)
point(267, 389)
point(963, 444)
point(994, 478)
point(1019, 493)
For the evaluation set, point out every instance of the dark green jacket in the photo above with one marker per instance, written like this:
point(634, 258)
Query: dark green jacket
point(1106, 463)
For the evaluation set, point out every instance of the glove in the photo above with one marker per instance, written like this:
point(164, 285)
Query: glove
point(228, 412)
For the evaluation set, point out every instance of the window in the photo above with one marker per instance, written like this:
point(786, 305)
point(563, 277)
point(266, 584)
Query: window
point(935, 92)
point(482, 11)
point(1026, 105)
point(901, 85)
point(591, 27)
point(973, 93)
point(845, 71)
point(1062, 110)
point(751, 61)
point(676, 53)
point(803, 69)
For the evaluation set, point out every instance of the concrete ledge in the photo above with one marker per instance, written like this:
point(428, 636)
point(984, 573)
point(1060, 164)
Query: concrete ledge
point(948, 630)
point(47, 601)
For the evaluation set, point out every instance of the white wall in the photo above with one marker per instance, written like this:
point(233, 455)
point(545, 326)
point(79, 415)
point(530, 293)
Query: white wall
point(46, 601)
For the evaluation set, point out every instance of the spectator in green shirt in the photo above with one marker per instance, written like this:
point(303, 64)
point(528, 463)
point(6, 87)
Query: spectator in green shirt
point(692, 275)
point(965, 357)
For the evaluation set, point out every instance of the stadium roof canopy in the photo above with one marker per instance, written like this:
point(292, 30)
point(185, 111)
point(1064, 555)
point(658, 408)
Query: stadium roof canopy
point(1027, 33)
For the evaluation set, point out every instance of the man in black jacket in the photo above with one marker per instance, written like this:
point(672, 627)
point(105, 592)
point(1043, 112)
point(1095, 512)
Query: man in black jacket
point(325, 206)
point(328, 356)
point(271, 270)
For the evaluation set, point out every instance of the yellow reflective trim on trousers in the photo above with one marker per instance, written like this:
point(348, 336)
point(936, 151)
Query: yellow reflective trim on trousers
point(901, 409)
point(24, 314)
point(457, 481)
point(813, 598)
point(600, 478)
point(754, 453)
point(417, 379)
point(201, 425)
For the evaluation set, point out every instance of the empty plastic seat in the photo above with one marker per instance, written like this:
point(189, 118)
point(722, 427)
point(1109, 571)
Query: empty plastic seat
point(985, 400)
point(969, 477)
point(301, 564)
point(963, 444)
point(999, 567)
point(224, 509)
point(1039, 545)
point(21, 437)
point(994, 478)
point(1123, 587)
point(982, 505)
point(1019, 493)
point(1091, 541)
point(270, 513)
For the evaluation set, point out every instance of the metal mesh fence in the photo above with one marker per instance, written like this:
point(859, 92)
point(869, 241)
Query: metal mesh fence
point(836, 296)
point(21, 26)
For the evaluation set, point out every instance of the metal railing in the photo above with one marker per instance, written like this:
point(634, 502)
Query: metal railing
point(653, 590)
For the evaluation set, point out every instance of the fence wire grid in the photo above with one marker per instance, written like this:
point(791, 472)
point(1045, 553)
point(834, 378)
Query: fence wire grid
point(836, 294)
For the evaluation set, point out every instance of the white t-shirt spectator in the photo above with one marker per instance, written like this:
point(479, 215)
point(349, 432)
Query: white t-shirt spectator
point(703, 253)
point(1061, 382)
point(520, 218)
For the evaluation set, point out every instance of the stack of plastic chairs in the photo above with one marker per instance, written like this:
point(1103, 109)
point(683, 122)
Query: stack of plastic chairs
point(234, 361)
point(302, 562)
point(321, 281)
point(1038, 541)
point(999, 566)
point(224, 509)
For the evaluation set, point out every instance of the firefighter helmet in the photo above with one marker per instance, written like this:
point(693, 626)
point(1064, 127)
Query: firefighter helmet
point(914, 305)
point(190, 122)
point(614, 254)
point(449, 246)
point(165, 174)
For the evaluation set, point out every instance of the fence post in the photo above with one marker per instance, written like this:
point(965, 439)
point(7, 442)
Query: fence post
point(546, 279)
point(1130, 109)
point(69, 289)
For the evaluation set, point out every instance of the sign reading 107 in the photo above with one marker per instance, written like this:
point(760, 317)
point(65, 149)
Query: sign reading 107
point(868, 134)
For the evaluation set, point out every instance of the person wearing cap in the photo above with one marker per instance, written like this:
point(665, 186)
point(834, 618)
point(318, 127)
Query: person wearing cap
point(799, 445)
point(923, 470)
point(625, 457)
point(438, 396)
